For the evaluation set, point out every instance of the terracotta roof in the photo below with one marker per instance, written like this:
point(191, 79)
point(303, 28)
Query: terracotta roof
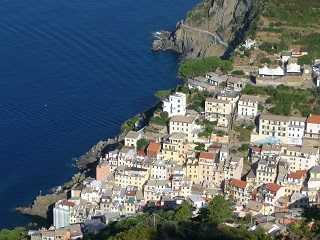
point(68, 203)
point(207, 155)
point(298, 174)
point(154, 147)
point(273, 187)
point(314, 119)
point(238, 183)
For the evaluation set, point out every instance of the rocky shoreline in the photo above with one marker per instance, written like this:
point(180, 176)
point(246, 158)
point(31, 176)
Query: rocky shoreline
point(41, 209)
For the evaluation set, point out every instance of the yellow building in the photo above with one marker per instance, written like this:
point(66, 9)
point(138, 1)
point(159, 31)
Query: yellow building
point(175, 148)
point(131, 177)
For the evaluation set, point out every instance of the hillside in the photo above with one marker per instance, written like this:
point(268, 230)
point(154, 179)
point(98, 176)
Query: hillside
point(291, 24)
point(212, 28)
point(217, 27)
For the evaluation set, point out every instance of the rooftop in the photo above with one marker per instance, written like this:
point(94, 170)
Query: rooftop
point(184, 119)
point(238, 183)
point(315, 119)
point(207, 155)
point(132, 134)
point(272, 187)
point(300, 174)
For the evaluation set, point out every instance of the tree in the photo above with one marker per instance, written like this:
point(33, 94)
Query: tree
point(184, 212)
point(14, 234)
point(219, 210)
point(142, 144)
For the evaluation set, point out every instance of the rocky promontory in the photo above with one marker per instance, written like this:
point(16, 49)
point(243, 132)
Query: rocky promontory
point(212, 28)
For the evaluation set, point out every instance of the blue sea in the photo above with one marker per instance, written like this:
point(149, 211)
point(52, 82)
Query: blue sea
point(71, 71)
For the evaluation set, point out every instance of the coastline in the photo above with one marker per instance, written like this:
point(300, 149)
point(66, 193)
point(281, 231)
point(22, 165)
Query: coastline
point(40, 210)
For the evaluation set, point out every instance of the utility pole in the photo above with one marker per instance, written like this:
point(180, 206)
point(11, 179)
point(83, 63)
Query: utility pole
point(154, 221)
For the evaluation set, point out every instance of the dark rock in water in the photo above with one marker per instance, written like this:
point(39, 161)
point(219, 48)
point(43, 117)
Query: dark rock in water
point(213, 28)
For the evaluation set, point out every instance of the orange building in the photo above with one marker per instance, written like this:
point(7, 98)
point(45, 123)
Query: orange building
point(102, 171)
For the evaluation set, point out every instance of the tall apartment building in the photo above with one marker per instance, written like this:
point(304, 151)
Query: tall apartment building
point(313, 127)
point(62, 213)
point(300, 157)
point(286, 130)
point(248, 106)
point(184, 124)
point(175, 104)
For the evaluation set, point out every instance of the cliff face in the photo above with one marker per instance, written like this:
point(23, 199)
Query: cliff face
point(212, 28)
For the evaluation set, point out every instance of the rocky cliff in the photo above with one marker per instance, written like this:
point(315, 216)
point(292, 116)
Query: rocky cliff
point(212, 28)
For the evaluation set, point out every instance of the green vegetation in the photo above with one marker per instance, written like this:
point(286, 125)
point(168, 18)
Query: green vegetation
point(178, 225)
point(163, 93)
point(219, 210)
point(306, 59)
point(311, 44)
point(273, 47)
point(200, 147)
point(287, 100)
point(244, 132)
point(14, 234)
point(237, 72)
point(142, 144)
point(208, 128)
point(184, 212)
point(294, 12)
point(266, 60)
point(162, 119)
point(130, 124)
point(200, 66)
point(196, 100)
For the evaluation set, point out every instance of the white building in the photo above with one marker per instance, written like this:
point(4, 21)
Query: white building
point(184, 124)
point(300, 157)
point(282, 129)
point(62, 213)
point(176, 104)
point(248, 106)
point(249, 43)
point(313, 127)
point(131, 139)
point(271, 72)
point(294, 69)
point(218, 110)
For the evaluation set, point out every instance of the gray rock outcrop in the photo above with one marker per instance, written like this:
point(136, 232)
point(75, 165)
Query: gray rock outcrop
point(212, 28)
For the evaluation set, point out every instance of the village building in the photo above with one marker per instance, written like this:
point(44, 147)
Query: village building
point(248, 107)
point(62, 213)
point(313, 127)
point(268, 194)
point(236, 83)
point(175, 147)
point(176, 104)
point(184, 124)
point(300, 157)
point(249, 44)
point(201, 84)
point(237, 190)
point(282, 129)
point(215, 79)
point(285, 56)
point(293, 69)
point(294, 182)
point(153, 150)
point(132, 138)
point(233, 167)
point(161, 169)
point(271, 72)
point(131, 177)
point(154, 189)
point(103, 170)
point(266, 170)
